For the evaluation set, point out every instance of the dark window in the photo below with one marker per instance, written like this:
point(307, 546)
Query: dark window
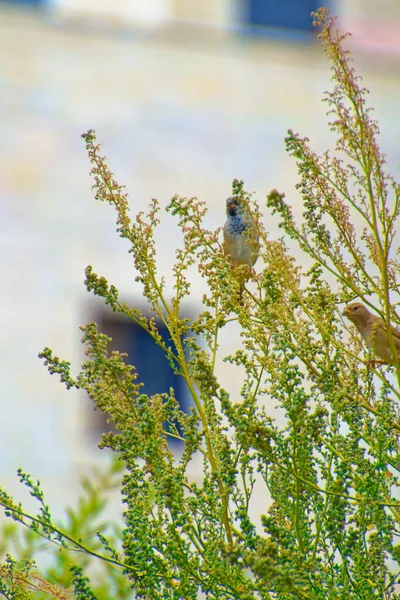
point(148, 359)
point(292, 15)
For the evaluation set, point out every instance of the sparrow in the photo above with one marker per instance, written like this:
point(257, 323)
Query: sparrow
point(374, 332)
point(241, 239)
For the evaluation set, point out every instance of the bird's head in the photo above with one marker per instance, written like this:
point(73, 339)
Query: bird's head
point(232, 206)
point(356, 312)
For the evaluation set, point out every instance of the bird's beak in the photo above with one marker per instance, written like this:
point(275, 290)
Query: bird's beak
point(346, 311)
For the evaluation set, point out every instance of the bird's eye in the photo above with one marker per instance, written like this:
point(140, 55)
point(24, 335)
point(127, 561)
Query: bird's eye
point(355, 308)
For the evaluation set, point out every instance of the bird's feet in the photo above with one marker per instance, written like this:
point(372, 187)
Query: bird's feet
point(373, 363)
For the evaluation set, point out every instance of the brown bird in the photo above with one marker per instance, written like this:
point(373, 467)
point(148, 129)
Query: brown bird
point(374, 332)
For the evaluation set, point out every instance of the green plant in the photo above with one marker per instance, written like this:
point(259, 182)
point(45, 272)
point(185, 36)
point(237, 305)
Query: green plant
point(85, 524)
point(332, 468)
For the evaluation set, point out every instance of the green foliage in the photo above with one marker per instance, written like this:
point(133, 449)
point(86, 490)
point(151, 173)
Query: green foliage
point(78, 540)
point(21, 582)
point(332, 468)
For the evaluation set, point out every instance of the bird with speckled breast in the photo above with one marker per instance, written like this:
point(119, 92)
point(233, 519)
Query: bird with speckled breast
point(241, 239)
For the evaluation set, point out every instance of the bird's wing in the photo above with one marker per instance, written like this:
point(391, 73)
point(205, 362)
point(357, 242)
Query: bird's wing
point(379, 324)
point(253, 241)
point(396, 337)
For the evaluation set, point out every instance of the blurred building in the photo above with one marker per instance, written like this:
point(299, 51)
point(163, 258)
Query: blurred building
point(374, 23)
point(184, 96)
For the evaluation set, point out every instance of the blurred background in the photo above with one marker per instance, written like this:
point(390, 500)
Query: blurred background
point(184, 96)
